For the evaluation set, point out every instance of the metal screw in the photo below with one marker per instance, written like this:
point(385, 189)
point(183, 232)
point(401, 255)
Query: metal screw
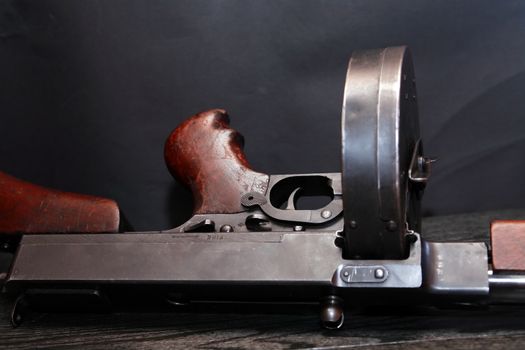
point(379, 273)
point(226, 228)
point(353, 224)
point(298, 228)
point(346, 273)
point(325, 214)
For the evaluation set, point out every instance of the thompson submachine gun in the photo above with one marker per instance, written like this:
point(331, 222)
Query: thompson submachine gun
point(248, 242)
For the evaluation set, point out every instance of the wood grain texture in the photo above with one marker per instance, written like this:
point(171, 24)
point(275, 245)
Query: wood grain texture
point(29, 208)
point(416, 328)
point(206, 155)
point(507, 239)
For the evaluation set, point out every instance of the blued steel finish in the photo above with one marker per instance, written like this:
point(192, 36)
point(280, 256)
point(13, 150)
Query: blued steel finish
point(397, 273)
point(380, 129)
point(297, 260)
point(293, 185)
point(456, 268)
point(506, 287)
point(262, 258)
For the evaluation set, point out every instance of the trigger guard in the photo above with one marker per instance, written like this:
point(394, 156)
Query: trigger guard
point(314, 216)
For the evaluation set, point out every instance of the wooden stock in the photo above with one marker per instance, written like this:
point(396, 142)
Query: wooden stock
point(507, 239)
point(206, 155)
point(28, 208)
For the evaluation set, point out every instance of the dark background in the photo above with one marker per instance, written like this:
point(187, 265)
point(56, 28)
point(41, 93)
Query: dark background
point(89, 91)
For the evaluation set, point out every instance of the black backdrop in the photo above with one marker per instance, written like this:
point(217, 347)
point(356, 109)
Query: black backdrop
point(89, 91)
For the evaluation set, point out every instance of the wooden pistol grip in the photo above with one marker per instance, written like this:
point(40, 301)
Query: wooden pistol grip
point(206, 155)
point(507, 238)
point(29, 208)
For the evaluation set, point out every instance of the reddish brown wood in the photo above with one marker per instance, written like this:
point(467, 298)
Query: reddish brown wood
point(206, 155)
point(508, 245)
point(28, 208)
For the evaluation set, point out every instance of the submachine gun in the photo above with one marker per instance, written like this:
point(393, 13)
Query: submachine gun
point(248, 242)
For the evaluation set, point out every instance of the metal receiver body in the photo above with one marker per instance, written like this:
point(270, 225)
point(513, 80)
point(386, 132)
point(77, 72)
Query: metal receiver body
point(250, 241)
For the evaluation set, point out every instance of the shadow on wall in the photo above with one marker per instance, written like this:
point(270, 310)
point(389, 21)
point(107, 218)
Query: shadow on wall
point(179, 205)
point(483, 144)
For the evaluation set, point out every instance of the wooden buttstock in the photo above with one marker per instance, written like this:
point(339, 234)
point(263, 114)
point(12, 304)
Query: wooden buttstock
point(206, 155)
point(29, 208)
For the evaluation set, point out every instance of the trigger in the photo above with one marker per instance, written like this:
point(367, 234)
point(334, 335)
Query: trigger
point(290, 204)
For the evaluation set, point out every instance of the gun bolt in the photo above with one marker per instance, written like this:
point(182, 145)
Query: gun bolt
point(226, 228)
point(379, 273)
point(325, 214)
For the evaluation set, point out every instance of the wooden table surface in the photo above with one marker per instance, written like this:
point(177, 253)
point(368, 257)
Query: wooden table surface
point(495, 328)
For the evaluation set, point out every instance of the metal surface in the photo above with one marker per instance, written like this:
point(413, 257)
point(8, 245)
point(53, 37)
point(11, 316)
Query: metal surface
point(506, 288)
point(332, 312)
point(253, 221)
point(205, 225)
point(262, 257)
point(420, 167)
point(226, 228)
point(287, 187)
point(160, 258)
point(405, 273)
point(379, 131)
point(456, 269)
point(364, 274)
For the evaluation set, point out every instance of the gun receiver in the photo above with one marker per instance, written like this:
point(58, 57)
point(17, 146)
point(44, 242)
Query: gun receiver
point(248, 240)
